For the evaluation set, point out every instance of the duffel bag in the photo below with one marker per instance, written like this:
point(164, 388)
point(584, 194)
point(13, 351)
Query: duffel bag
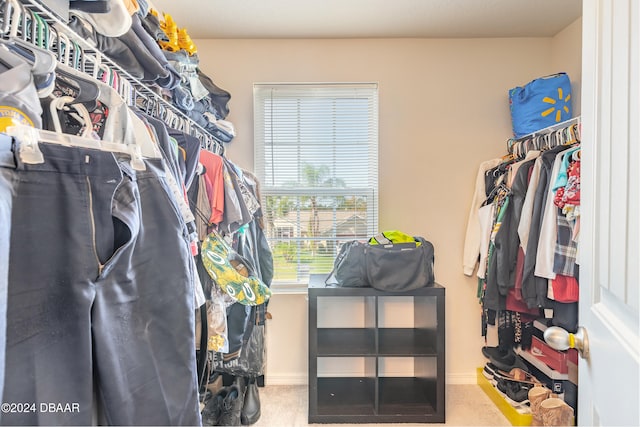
point(397, 267)
point(348, 267)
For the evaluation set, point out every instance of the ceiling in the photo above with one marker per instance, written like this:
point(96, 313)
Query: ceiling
point(205, 19)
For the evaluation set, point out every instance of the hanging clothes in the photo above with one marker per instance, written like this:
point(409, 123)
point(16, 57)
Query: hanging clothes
point(6, 203)
point(215, 185)
point(528, 233)
point(473, 232)
point(104, 279)
point(93, 300)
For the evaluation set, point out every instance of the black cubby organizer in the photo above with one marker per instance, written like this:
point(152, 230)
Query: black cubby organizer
point(372, 395)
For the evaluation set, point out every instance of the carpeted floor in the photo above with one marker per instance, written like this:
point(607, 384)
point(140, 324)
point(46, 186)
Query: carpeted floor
point(466, 405)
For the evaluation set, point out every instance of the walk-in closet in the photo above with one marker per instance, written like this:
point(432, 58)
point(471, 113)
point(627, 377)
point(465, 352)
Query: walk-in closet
point(337, 212)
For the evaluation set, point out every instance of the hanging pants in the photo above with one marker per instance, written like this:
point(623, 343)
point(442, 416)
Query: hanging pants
point(100, 315)
point(6, 199)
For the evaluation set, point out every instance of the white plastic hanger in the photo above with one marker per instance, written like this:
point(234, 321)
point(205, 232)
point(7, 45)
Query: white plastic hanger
point(29, 137)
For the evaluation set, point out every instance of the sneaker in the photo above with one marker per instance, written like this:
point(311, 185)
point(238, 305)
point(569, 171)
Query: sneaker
point(185, 42)
point(518, 392)
point(488, 373)
point(231, 406)
point(505, 360)
point(517, 375)
point(489, 370)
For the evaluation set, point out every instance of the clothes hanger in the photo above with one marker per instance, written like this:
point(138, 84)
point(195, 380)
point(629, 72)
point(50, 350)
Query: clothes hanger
point(104, 71)
point(43, 60)
point(31, 27)
point(148, 148)
point(87, 90)
point(76, 56)
point(113, 80)
point(64, 49)
point(12, 15)
point(30, 137)
point(91, 64)
point(42, 32)
point(63, 101)
point(42, 63)
point(144, 103)
point(126, 92)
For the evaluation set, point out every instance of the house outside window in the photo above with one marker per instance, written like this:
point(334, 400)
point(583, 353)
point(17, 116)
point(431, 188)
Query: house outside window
point(316, 155)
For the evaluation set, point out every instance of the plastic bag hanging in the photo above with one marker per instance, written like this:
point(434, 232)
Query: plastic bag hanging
point(232, 272)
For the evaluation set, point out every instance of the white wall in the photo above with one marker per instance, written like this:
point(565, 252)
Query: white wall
point(443, 110)
point(566, 55)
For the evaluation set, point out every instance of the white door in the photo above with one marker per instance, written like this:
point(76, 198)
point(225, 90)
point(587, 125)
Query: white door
point(609, 381)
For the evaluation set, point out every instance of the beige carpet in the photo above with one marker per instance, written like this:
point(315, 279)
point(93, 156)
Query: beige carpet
point(467, 405)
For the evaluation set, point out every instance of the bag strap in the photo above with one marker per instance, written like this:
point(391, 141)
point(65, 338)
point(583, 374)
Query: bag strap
point(382, 239)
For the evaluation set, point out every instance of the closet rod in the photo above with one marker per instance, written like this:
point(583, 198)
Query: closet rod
point(570, 122)
point(140, 90)
point(545, 131)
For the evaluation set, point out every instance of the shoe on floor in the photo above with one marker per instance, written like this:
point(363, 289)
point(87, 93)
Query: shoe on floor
point(231, 406)
point(504, 360)
point(212, 409)
point(489, 372)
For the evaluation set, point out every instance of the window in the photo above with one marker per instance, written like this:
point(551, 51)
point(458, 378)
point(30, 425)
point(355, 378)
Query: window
point(316, 154)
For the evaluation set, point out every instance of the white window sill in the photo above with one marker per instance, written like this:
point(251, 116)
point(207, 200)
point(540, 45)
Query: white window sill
point(289, 289)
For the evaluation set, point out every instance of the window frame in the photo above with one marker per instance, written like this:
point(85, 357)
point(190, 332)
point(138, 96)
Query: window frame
point(369, 191)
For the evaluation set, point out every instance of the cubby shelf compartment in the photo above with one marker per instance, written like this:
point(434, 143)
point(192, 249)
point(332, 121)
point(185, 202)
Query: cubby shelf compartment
point(373, 395)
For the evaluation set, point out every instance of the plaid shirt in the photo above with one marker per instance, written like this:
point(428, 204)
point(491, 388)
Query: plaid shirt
point(564, 261)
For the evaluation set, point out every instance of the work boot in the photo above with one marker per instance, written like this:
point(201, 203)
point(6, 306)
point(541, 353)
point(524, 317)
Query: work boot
point(231, 405)
point(537, 395)
point(212, 409)
point(556, 412)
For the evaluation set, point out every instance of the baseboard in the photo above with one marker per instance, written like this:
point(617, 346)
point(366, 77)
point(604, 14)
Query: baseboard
point(303, 380)
point(461, 378)
point(285, 379)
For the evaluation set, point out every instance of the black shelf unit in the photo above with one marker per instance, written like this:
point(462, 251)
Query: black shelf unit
point(370, 396)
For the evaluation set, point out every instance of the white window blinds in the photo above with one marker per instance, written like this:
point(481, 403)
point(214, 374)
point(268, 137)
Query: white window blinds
point(316, 154)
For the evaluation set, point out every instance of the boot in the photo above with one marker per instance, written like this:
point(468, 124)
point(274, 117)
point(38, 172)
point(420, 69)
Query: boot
point(556, 412)
point(537, 395)
point(232, 403)
point(251, 408)
point(212, 408)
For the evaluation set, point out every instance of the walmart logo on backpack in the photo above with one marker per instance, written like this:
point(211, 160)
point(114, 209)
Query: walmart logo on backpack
point(540, 103)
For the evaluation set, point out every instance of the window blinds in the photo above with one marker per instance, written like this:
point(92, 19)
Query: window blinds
point(316, 154)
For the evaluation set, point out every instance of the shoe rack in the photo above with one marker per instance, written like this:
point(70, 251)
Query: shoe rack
point(515, 416)
point(373, 392)
point(562, 381)
point(542, 359)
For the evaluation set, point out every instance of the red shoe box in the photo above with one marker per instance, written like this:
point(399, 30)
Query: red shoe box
point(556, 360)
